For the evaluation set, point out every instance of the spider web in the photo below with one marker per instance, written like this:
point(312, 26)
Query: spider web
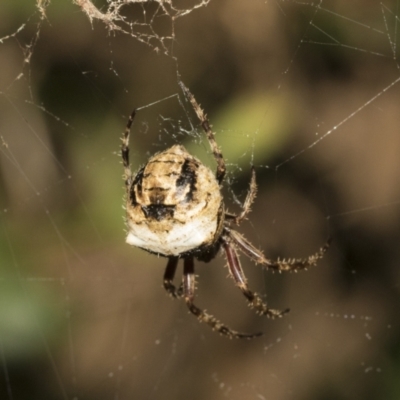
point(305, 91)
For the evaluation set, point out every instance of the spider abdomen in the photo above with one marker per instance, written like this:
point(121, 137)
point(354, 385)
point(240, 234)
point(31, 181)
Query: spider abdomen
point(175, 204)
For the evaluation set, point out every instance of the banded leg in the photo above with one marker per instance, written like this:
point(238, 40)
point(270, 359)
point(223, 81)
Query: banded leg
point(238, 276)
point(188, 294)
point(293, 264)
point(125, 151)
point(205, 123)
point(169, 275)
point(251, 195)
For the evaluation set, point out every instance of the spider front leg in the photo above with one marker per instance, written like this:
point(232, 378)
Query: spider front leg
point(125, 151)
point(251, 195)
point(238, 276)
point(188, 287)
point(205, 123)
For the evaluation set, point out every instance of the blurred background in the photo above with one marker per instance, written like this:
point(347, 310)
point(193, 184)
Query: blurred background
point(308, 92)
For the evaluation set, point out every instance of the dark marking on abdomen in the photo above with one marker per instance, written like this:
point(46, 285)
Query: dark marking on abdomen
point(158, 211)
point(188, 177)
point(137, 182)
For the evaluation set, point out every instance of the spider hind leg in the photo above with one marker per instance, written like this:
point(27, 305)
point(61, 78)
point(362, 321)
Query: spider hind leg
point(169, 275)
point(188, 289)
point(238, 276)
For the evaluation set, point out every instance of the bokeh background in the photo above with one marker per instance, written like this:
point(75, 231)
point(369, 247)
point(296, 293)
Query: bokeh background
point(308, 92)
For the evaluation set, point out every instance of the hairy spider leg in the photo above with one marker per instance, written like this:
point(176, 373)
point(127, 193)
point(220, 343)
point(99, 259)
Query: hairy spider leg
point(293, 264)
point(205, 123)
point(236, 272)
point(189, 283)
point(169, 275)
point(251, 195)
point(125, 151)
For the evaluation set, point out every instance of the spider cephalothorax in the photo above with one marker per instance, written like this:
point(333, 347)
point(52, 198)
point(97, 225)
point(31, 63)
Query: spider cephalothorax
point(175, 209)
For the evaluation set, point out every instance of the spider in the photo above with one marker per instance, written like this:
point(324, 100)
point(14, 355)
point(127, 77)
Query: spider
point(175, 209)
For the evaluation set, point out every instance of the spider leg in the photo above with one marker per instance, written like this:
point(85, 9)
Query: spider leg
point(125, 151)
point(205, 123)
point(238, 276)
point(251, 195)
point(169, 275)
point(293, 264)
point(188, 285)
